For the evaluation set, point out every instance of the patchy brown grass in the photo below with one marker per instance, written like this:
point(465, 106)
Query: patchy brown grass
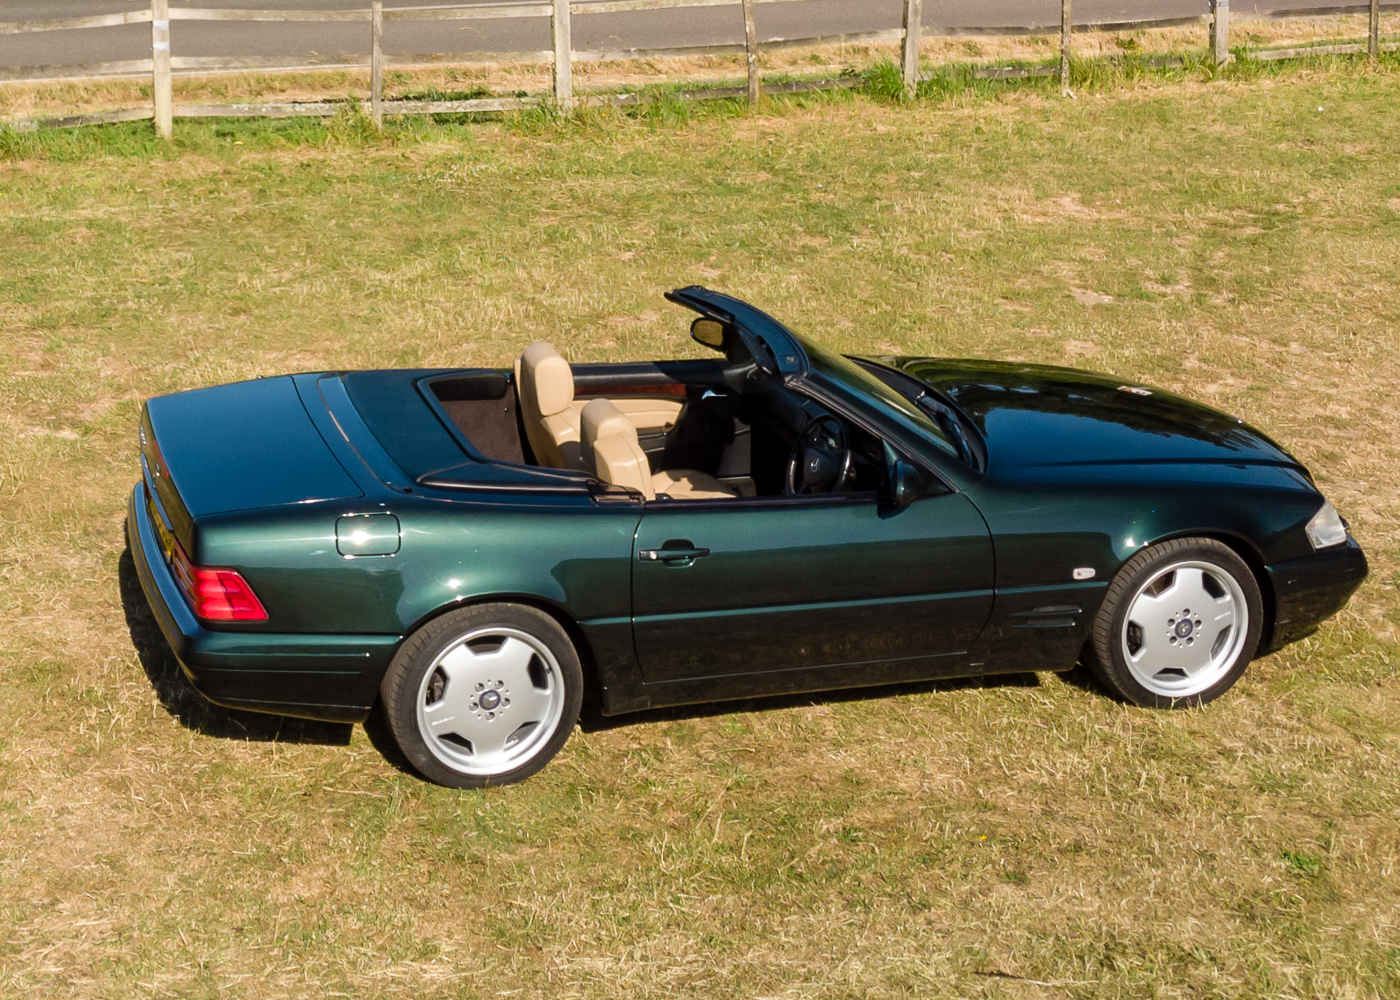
point(1028, 838)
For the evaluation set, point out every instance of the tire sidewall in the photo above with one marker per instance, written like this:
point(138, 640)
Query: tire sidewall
point(402, 683)
point(1108, 647)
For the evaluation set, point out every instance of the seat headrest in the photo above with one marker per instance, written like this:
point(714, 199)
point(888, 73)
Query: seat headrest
point(550, 376)
point(600, 418)
point(598, 422)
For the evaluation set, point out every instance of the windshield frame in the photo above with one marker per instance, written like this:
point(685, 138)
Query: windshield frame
point(851, 375)
point(972, 446)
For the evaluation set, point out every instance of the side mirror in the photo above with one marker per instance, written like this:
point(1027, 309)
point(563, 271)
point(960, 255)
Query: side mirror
point(907, 485)
point(709, 332)
point(905, 480)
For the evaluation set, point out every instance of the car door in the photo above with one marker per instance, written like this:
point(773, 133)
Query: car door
point(776, 584)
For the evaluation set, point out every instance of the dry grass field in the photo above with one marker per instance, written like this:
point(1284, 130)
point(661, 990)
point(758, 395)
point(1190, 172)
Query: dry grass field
point(1236, 240)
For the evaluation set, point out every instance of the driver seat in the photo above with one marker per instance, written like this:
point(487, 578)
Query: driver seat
point(612, 451)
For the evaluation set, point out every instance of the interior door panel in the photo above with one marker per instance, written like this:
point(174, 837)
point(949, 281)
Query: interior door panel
point(650, 413)
point(685, 413)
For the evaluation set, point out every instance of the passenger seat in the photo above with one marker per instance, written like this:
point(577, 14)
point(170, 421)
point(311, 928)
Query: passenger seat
point(611, 451)
point(545, 386)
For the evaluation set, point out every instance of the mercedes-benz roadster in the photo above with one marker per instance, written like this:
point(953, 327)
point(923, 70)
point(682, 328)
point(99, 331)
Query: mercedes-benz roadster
point(466, 549)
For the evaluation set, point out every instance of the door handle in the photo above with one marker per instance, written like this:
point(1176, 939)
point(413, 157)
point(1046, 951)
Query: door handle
point(673, 553)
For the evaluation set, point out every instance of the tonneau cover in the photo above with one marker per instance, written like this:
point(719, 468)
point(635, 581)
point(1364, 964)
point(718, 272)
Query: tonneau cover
point(409, 423)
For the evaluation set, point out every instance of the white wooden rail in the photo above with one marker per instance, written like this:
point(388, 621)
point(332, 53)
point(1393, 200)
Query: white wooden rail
point(163, 63)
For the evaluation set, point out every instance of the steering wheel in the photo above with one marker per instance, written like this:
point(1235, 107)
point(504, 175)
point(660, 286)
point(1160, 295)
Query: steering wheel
point(820, 460)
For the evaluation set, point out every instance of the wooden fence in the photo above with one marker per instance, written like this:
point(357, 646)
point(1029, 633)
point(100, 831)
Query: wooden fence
point(563, 55)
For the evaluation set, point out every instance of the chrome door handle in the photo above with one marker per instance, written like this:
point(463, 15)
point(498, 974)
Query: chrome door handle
point(682, 554)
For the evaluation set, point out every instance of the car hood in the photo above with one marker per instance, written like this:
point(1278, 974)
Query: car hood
point(1053, 423)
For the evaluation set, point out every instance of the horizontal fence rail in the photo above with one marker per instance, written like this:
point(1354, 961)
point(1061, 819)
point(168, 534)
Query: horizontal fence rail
point(1307, 51)
point(116, 69)
point(95, 21)
point(163, 63)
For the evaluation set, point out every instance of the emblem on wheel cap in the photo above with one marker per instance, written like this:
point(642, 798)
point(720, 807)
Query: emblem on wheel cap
point(489, 699)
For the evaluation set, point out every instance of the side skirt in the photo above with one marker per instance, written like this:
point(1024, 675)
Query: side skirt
point(621, 698)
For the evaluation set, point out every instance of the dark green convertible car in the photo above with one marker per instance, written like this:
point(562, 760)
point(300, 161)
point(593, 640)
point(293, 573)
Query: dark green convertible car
point(467, 550)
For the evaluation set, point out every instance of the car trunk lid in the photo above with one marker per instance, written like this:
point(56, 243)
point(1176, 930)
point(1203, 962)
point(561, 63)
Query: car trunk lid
point(235, 447)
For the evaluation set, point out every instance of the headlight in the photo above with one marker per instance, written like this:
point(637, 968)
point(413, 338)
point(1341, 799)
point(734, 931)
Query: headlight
point(1327, 528)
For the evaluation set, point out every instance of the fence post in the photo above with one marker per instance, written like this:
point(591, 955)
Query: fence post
point(161, 99)
point(1065, 33)
point(563, 58)
point(751, 51)
point(1220, 31)
point(376, 63)
point(1373, 41)
point(913, 26)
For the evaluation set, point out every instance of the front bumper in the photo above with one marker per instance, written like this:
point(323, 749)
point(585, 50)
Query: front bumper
point(1310, 590)
point(314, 676)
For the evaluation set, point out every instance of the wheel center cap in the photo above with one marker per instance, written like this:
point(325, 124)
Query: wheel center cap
point(1183, 628)
point(490, 700)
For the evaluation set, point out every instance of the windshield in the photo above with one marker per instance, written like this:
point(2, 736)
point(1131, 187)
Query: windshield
point(869, 381)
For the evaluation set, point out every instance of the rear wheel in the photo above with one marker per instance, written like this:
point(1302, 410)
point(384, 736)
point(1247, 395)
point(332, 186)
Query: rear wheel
point(483, 696)
point(1179, 625)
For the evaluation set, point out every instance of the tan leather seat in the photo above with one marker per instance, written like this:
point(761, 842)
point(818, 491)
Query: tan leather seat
point(602, 418)
point(611, 451)
point(545, 385)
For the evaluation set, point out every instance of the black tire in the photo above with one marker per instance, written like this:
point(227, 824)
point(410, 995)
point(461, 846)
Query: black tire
point(1112, 634)
point(462, 671)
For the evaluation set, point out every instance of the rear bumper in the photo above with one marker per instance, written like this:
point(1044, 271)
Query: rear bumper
point(332, 677)
point(1310, 590)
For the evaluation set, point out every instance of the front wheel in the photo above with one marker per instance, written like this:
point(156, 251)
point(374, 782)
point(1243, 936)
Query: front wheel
point(483, 696)
point(1179, 624)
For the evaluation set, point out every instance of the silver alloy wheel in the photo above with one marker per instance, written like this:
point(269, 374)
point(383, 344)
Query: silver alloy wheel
point(1185, 628)
point(490, 701)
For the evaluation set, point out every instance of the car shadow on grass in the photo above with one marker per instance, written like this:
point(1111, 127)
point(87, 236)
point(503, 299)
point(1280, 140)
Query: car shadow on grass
point(1081, 677)
point(178, 696)
point(593, 720)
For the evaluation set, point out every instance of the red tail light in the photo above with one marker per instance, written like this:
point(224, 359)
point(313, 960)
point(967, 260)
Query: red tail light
point(217, 595)
point(222, 595)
